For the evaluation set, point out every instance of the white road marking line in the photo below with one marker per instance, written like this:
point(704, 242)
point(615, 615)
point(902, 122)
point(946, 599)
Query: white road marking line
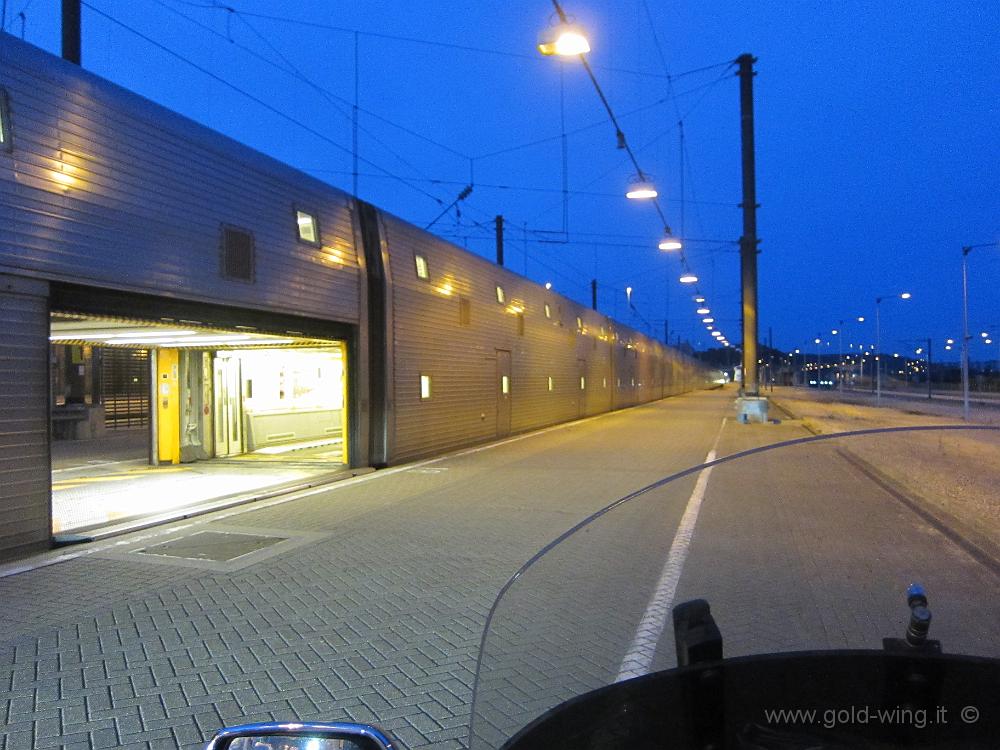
point(639, 658)
point(250, 506)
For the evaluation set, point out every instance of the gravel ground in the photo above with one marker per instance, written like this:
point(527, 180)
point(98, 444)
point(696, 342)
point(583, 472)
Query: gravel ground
point(955, 474)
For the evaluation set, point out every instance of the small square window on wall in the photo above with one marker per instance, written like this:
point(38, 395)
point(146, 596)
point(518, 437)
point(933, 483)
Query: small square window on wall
point(583, 383)
point(551, 384)
point(308, 227)
point(548, 311)
point(425, 386)
point(423, 272)
point(501, 297)
point(505, 384)
point(5, 138)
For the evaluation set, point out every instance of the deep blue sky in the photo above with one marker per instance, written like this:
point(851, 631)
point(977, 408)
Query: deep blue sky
point(878, 134)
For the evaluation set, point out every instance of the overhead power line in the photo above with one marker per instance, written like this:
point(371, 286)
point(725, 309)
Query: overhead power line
point(269, 107)
point(434, 43)
point(292, 70)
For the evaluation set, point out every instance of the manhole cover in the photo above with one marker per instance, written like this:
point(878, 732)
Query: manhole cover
point(212, 545)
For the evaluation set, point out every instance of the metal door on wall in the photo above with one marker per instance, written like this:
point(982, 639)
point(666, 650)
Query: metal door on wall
point(503, 392)
point(228, 406)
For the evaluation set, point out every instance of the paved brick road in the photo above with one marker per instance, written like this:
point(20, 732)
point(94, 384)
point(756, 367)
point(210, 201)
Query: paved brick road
point(372, 608)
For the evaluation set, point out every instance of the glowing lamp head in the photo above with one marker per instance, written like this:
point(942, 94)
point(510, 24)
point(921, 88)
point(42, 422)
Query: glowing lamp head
point(905, 295)
point(703, 311)
point(640, 189)
point(689, 278)
point(670, 243)
point(564, 40)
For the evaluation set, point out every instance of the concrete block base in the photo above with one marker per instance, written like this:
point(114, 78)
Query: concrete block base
point(751, 409)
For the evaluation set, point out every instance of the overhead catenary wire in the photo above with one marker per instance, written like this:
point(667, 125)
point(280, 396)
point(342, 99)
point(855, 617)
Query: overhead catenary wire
point(435, 43)
point(290, 69)
point(257, 100)
point(19, 14)
point(294, 71)
point(598, 123)
point(500, 186)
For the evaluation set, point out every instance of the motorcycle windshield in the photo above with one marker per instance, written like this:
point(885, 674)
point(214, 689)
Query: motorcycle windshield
point(802, 545)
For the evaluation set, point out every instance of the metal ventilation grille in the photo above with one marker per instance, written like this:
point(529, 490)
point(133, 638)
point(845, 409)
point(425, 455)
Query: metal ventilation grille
point(237, 254)
point(125, 387)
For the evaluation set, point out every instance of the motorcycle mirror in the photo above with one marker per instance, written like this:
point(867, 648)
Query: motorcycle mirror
point(296, 736)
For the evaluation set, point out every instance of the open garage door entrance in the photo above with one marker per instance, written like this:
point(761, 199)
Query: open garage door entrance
point(151, 417)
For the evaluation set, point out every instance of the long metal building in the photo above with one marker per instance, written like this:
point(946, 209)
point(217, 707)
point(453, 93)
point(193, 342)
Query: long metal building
point(170, 298)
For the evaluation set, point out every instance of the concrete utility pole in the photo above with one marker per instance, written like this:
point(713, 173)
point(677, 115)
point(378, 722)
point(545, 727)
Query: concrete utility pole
point(748, 242)
point(593, 294)
point(751, 407)
point(71, 31)
point(499, 224)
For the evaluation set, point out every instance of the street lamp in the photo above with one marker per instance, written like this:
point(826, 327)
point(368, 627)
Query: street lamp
point(564, 39)
point(669, 242)
point(819, 367)
point(878, 342)
point(640, 188)
point(689, 278)
point(965, 323)
point(839, 333)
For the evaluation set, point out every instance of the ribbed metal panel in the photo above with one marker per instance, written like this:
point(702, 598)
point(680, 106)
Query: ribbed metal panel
point(430, 339)
point(25, 520)
point(108, 189)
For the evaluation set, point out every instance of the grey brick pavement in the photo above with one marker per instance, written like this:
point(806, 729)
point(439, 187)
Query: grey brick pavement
point(378, 617)
point(378, 621)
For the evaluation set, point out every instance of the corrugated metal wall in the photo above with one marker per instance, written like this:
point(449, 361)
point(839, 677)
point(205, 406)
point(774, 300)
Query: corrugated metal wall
point(619, 366)
point(105, 188)
point(25, 487)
